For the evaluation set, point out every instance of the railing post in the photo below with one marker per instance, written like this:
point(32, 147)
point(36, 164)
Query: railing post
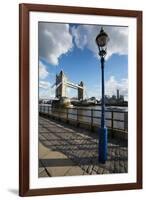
point(41, 109)
point(125, 121)
point(48, 110)
point(91, 119)
point(67, 115)
point(58, 113)
point(112, 124)
point(77, 118)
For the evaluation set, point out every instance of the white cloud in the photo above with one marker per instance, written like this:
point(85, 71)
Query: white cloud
point(46, 94)
point(84, 36)
point(43, 73)
point(44, 84)
point(94, 91)
point(54, 41)
point(45, 90)
point(112, 85)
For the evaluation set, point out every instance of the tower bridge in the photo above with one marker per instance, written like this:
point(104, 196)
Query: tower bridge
point(62, 84)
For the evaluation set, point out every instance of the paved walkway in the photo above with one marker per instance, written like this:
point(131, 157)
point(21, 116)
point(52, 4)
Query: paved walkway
point(65, 150)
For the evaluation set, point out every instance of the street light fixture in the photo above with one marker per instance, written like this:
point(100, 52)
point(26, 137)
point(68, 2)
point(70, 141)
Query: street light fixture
point(101, 41)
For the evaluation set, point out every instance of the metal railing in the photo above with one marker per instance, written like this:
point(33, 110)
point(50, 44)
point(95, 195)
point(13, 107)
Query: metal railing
point(114, 119)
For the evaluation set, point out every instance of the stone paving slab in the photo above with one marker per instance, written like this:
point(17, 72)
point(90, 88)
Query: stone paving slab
point(65, 150)
point(47, 166)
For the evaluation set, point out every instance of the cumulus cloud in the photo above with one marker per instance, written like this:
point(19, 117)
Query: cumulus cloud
point(112, 85)
point(43, 73)
point(54, 41)
point(45, 90)
point(84, 36)
point(44, 84)
point(46, 93)
point(94, 91)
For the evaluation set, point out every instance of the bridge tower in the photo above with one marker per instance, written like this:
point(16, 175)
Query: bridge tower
point(81, 91)
point(61, 80)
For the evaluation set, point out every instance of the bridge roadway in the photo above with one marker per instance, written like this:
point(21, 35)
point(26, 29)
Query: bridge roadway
point(65, 150)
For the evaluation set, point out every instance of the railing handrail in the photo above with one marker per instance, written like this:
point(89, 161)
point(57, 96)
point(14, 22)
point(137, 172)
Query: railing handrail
point(87, 109)
point(60, 111)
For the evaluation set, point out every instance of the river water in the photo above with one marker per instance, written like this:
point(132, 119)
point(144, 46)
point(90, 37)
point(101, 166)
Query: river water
point(115, 116)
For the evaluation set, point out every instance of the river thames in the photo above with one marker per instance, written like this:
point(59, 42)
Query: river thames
point(115, 116)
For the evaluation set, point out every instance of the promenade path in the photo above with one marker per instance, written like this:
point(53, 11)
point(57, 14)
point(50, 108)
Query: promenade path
point(65, 150)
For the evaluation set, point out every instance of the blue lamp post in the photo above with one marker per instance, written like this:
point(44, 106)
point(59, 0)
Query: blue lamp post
point(102, 40)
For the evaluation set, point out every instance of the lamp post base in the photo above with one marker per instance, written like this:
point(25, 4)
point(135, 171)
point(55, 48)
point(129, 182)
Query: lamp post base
point(102, 156)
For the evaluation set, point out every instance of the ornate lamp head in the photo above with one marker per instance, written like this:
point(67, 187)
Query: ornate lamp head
point(101, 41)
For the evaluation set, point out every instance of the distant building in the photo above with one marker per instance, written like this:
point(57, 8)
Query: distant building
point(118, 94)
point(121, 98)
point(93, 98)
point(114, 97)
point(114, 100)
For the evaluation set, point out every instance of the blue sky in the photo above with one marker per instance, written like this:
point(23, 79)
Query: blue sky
point(72, 48)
